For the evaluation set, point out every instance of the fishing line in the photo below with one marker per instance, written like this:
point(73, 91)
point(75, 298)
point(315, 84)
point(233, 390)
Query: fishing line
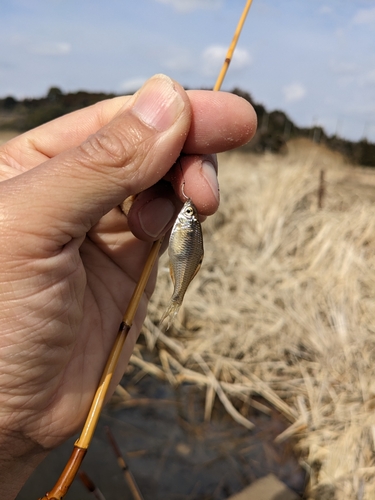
point(183, 181)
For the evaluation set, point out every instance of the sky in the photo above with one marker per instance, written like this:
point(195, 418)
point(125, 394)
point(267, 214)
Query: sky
point(315, 60)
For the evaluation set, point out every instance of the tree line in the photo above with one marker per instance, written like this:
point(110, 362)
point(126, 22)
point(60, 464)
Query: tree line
point(275, 128)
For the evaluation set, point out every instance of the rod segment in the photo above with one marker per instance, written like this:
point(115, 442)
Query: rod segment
point(67, 476)
point(65, 480)
point(232, 46)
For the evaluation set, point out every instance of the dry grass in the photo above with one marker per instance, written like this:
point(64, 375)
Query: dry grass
point(283, 307)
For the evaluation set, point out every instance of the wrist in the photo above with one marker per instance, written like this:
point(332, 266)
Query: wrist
point(19, 456)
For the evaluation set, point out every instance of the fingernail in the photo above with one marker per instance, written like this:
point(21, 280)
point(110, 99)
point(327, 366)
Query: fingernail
point(155, 216)
point(158, 103)
point(209, 173)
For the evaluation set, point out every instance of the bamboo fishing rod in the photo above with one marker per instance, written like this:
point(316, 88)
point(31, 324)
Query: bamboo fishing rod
point(83, 442)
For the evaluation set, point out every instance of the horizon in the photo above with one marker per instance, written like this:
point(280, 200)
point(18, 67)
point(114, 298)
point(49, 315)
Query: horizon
point(316, 62)
point(268, 111)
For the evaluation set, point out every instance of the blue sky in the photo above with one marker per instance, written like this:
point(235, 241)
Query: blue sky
point(314, 60)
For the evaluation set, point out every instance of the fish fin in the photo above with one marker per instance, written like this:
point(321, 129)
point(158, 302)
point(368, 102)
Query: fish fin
point(171, 272)
point(170, 313)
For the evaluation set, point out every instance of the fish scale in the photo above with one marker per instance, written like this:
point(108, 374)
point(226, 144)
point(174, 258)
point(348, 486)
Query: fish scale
point(185, 256)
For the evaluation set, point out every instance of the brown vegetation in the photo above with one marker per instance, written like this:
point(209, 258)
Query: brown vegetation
point(283, 307)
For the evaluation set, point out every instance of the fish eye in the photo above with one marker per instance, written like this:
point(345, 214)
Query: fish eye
point(189, 211)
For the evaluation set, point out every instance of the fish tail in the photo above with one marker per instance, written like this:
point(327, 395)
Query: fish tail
point(170, 312)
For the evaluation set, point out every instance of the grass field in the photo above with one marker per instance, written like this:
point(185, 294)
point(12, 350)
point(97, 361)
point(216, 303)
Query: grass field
point(284, 307)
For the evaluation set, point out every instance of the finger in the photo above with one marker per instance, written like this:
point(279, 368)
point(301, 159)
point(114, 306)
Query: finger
point(153, 212)
point(220, 121)
point(195, 177)
point(128, 155)
point(111, 235)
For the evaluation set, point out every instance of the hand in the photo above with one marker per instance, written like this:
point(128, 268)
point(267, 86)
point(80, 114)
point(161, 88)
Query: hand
point(69, 258)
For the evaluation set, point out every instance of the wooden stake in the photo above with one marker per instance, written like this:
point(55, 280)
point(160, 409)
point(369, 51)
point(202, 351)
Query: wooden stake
point(321, 189)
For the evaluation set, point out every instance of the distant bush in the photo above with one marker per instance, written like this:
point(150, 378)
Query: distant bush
point(42, 114)
point(9, 103)
point(29, 113)
point(54, 94)
point(276, 128)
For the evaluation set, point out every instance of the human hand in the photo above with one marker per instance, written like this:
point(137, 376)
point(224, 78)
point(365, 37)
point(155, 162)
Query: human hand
point(69, 258)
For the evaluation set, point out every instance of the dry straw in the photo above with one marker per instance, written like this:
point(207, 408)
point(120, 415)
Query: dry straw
point(284, 307)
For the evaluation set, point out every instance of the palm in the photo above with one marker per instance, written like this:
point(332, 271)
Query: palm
point(97, 275)
point(85, 296)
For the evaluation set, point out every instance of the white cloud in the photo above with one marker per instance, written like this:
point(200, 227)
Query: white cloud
point(325, 9)
point(294, 92)
point(365, 16)
point(343, 68)
point(214, 56)
point(133, 84)
point(191, 5)
point(50, 48)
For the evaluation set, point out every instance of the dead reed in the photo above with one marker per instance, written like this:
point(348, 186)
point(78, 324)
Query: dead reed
point(284, 307)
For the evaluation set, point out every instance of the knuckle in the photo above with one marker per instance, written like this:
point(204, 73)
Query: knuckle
point(118, 145)
point(118, 150)
point(107, 149)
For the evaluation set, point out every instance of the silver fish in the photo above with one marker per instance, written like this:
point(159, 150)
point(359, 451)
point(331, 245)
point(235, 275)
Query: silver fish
point(185, 256)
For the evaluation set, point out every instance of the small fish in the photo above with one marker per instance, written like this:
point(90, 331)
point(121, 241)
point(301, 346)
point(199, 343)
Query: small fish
point(185, 256)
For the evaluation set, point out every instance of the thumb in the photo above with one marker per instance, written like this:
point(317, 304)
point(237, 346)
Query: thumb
point(129, 154)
